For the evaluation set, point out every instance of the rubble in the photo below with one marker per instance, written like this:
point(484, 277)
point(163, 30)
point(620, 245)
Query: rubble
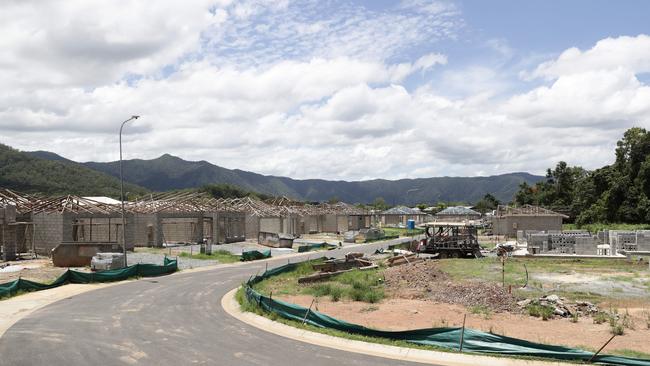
point(561, 307)
point(425, 281)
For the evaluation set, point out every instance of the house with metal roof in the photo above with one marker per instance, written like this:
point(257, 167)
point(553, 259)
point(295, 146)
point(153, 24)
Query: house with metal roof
point(399, 215)
point(508, 220)
point(457, 214)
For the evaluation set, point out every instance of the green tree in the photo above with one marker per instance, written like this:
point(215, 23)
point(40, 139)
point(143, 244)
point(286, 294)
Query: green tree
point(487, 203)
point(379, 204)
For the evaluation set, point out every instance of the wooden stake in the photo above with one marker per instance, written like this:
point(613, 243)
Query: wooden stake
point(462, 333)
point(307, 312)
point(601, 348)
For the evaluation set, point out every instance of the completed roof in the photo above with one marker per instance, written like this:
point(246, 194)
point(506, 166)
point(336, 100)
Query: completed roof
point(401, 210)
point(458, 211)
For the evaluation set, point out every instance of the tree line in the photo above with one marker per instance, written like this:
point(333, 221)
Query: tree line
point(616, 193)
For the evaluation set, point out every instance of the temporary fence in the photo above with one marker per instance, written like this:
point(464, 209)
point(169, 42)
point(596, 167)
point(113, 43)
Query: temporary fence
point(253, 255)
point(72, 276)
point(473, 341)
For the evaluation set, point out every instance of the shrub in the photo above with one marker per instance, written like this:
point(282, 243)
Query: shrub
point(601, 317)
point(373, 296)
point(336, 293)
point(321, 290)
point(537, 310)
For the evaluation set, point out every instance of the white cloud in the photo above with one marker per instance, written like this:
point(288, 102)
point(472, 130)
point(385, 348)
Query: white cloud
point(630, 53)
point(265, 87)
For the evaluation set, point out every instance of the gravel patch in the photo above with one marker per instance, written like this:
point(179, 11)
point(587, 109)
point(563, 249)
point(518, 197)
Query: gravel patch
point(183, 263)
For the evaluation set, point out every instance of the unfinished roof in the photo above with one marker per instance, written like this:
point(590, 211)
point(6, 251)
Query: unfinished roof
point(22, 202)
point(401, 210)
point(458, 211)
point(526, 210)
point(183, 202)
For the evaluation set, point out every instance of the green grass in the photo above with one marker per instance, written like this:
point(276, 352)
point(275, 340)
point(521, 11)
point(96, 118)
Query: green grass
point(630, 353)
point(537, 310)
point(489, 269)
point(392, 231)
point(223, 256)
point(357, 285)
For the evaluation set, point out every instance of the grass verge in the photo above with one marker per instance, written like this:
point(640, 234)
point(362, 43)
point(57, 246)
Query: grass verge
point(356, 285)
point(223, 256)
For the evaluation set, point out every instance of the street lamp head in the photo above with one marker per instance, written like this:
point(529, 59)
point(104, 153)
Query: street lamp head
point(135, 117)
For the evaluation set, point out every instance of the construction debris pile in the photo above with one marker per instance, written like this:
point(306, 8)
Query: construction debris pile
point(334, 267)
point(561, 307)
point(425, 281)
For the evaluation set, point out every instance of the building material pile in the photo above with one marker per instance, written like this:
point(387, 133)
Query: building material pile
point(334, 267)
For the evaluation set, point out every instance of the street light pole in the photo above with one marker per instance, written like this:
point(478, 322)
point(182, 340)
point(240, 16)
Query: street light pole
point(122, 191)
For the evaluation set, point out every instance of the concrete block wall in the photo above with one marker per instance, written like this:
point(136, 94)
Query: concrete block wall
point(643, 240)
point(8, 241)
point(271, 224)
point(329, 223)
point(342, 223)
point(48, 232)
point(569, 242)
point(586, 245)
point(509, 225)
point(252, 225)
point(622, 240)
point(182, 229)
point(147, 230)
point(231, 227)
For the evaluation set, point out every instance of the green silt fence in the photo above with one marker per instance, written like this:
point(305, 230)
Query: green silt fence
point(70, 276)
point(253, 255)
point(474, 341)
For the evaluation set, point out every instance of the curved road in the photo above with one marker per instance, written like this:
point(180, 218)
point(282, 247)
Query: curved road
point(172, 320)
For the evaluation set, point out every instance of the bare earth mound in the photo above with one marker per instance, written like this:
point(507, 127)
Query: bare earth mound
point(425, 281)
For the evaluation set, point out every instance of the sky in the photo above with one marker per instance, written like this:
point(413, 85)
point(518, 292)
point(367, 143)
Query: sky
point(340, 90)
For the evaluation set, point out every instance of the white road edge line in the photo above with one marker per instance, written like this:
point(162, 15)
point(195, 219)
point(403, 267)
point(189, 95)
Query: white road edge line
point(231, 306)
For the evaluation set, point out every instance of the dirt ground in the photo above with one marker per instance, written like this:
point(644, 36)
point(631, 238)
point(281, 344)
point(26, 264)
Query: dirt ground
point(39, 270)
point(403, 314)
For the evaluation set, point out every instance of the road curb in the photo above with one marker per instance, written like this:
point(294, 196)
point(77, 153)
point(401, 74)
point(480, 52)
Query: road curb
point(231, 306)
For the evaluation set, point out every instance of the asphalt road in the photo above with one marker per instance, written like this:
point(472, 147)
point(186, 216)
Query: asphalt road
point(172, 320)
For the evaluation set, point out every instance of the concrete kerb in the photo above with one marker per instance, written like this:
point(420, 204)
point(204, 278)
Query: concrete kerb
point(231, 306)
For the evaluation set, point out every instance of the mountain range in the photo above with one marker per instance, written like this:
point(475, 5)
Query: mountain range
point(168, 172)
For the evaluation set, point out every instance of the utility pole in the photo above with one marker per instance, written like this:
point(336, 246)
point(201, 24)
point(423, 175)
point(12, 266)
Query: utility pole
point(122, 191)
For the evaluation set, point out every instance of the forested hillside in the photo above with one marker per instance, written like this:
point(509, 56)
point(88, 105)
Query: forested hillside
point(27, 173)
point(614, 193)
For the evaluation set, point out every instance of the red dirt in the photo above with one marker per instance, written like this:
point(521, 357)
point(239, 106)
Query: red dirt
point(402, 314)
